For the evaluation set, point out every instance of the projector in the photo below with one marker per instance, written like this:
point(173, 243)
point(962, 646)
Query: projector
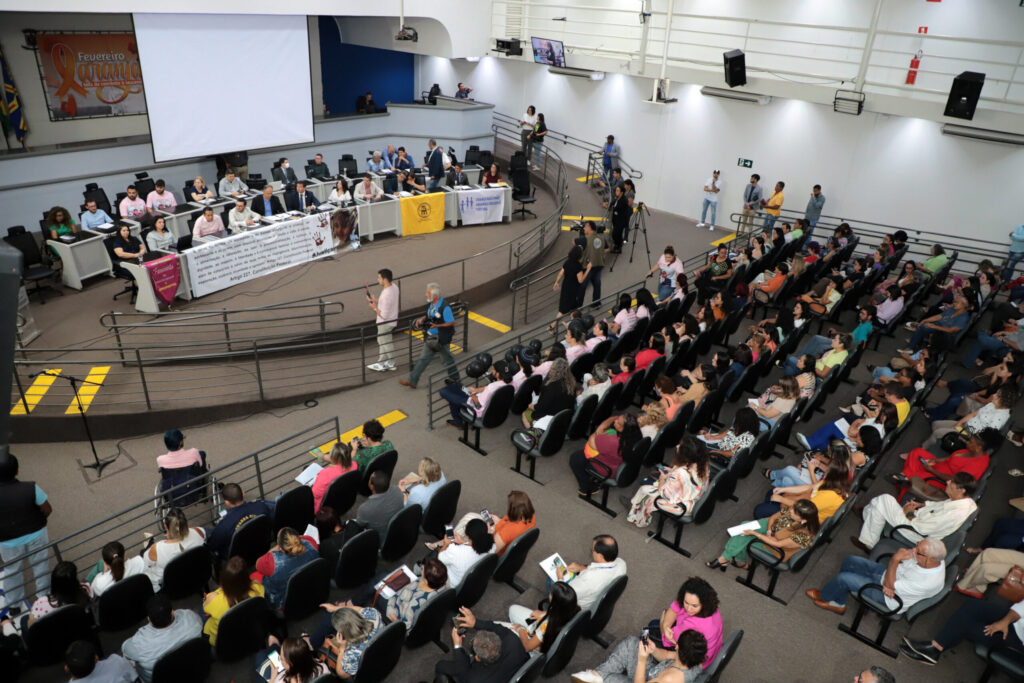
point(407, 33)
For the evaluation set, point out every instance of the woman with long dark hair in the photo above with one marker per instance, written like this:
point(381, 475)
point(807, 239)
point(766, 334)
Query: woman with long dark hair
point(539, 628)
point(604, 451)
point(621, 213)
point(235, 585)
point(65, 589)
point(570, 280)
point(790, 529)
point(677, 486)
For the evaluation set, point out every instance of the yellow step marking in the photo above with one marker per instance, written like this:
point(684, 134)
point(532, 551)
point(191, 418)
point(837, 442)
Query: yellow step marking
point(724, 240)
point(386, 420)
point(34, 394)
point(586, 218)
point(87, 391)
point(493, 324)
point(455, 348)
point(584, 178)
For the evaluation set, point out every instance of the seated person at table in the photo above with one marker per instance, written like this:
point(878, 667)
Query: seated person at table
point(404, 161)
point(300, 199)
point(340, 193)
point(371, 444)
point(94, 217)
point(455, 176)
point(376, 163)
point(407, 183)
point(476, 398)
point(160, 238)
point(319, 169)
point(231, 185)
point(207, 224)
point(199, 190)
point(287, 556)
point(242, 217)
point(267, 204)
point(126, 247)
point(160, 199)
point(366, 190)
point(59, 222)
point(283, 172)
point(493, 174)
point(132, 207)
point(238, 511)
point(927, 474)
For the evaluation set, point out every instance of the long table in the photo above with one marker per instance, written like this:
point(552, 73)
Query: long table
point(86, 256)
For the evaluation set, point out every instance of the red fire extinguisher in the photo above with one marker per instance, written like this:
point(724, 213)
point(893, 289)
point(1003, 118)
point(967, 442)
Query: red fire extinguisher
point(915, 63)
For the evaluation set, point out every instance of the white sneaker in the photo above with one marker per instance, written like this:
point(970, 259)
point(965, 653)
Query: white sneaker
point(390, 366)
point(589, 676)
point(711, 226)
point(701, 225)
point(376, 367)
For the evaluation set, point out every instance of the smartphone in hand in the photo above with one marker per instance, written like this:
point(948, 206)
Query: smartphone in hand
point(449, 532)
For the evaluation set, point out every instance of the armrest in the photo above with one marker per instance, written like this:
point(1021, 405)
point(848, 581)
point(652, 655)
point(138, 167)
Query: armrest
point(467, 414)
point(596, 466)
point(780, 555)
point(870, 606)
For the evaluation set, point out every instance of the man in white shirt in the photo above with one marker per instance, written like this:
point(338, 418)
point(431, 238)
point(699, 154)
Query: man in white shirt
point(913, 574)
point(165, 630)
point(386, 308)
point(937, 519)
point(605, 566)
point(711, 190)
point(231, 185)
point(94, 217)
point(207, 224)
point(366, 190)
point(242, 217)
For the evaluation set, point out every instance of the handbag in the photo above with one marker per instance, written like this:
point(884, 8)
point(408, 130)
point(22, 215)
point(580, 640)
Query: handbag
point(952, 442)
point(1012, 586)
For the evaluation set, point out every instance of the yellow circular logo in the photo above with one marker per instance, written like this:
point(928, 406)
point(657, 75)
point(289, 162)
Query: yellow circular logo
point(423, 210)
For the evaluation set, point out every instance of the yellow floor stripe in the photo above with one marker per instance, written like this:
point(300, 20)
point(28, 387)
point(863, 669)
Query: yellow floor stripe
point(386, 420)
point(724, 240)
point(34, 394)
point(583, 178)
point(493, 324)
point(586, 218)
point(87, 391)
point(419, 335)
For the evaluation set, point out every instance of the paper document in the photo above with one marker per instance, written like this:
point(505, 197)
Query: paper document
point(495, 185)
point(550, 564)
point(105, 225)
point(386, 592)
point(312, 532)
point(740, 528)
point(753, 403)
point(308, 476)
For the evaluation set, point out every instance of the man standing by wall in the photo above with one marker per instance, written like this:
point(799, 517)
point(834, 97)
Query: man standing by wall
point(711, 190)
point(814, 205)
point(751, 203)
point(773, 206)
point(440, 329)
point(386, 308)
point(610, 158)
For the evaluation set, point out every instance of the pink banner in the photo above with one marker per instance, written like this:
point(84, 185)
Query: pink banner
point(165, 274)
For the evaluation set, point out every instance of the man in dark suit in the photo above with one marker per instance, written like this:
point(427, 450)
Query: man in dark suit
point(456, 176)
point(435, 165)
point(267, 204)
point(300, 199)
point(494, 653)
point(284, 173)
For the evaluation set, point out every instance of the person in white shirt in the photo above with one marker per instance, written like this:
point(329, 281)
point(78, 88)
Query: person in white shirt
point(937, 519)
point(242, 217)
point(231, 185)
point(589, 581)
point(386, 308)
point(711, 189)
point(993, 414)
point(526, 124)
point(207, 224)
point(913, 574)
point(595, 383)
point(366, 190)
point(340, 193)
point(459, 554)
point(115, 567)
point(180, 537)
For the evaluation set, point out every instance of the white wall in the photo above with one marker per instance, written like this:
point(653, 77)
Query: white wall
point(874, 167)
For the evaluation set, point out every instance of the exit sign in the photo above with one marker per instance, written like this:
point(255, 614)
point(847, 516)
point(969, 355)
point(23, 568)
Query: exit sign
point(749, 163)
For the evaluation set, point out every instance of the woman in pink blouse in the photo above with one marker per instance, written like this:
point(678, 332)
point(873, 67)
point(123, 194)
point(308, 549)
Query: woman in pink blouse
point(696, 608)
point(339, 462)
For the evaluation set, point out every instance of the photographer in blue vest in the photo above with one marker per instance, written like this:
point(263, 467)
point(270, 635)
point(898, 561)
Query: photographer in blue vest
point(438, 327)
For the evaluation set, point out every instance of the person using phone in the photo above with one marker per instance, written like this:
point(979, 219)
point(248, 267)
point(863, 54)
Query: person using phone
point(538, 629)
point(632, 659)
point(519, 517)
point(386, 307)
point(485, 651)
point(294, 663)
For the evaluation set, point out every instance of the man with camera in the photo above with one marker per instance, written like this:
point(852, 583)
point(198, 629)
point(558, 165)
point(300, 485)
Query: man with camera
point(438, 327)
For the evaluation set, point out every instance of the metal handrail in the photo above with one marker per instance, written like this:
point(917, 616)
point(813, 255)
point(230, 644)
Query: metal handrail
point(323, 309)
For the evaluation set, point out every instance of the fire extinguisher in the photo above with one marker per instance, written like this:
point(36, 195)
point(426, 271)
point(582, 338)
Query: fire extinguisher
point(915, 63)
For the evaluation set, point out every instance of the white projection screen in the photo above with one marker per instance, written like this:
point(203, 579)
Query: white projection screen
point(218, 83)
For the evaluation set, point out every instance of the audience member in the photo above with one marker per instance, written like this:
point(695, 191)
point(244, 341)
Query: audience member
point(353, 628)
point(590, 581)
point(384, 501)
point(695, 608)
point(177, 455)
point(237, 512)
point(165, 630)
point(460, 553)
point(992, 415)
point(24, 508)
point(948, 322)
point(875, 674)
point(604, 451)
point(241, 217)
point(199, 192)
point(538, 629)
point(420, 486)
point(300, 199)
point(93, 216)
point(654, 415)
point(985, 623)
point(636, 660)
point(160, 199)
point(267, 204)
point(778, 400)
point(234, 584)
point(371, 444)
point(990, 566)
point(283, 173)
point(488, 652)
point(83, 664)
point(232, 186)
point(64, 588)
point(676, 487)
point(132, 207)
point(475, 398)
point(115, 567)
point(179, 538)
point(297, 663)
point(558, 393)
point(519, 518)
point(927, 474)
point(207, 224)
point(339, 462)
point(160, 238)
point(791, 529)
point(725, 444)
point(287, 556)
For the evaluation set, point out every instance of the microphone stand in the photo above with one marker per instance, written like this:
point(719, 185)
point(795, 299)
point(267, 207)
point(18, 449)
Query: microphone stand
point(97, 464)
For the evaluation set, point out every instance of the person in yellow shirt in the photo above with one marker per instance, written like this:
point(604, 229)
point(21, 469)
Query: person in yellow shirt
point(235, 586)
point(773, 206)
point(893, 394)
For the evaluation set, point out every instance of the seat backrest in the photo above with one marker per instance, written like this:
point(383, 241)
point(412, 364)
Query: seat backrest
point(524, 395)
point(432, 617)
point(530, 671)
point(441, 508)
point(675, 363)
point(629, 390)
point(307, 589)
point(579, 427)
point(601, 610)
point(357, 560)
point(714, 670)
point(26, 244)
point(512, 560)
point(145, 186)
point(600, 350)
point(952, 571)
point(554, 436)
point(386, 462)
point(564, 646)
point(381, 654)
point(474, 583)
point(294, 509)
point(629, 468)
point(605, 406)
point(189, 661)
point(654, 370)
point(96, 194)
point(497, 408)
point(341, 494)
point(48, 637)
point(583, 364)
point(243, 629)
point(402, 532)
point(187, 574)
point(347, 166)
point(123, 605)
point(252, 539)
point(702, 414)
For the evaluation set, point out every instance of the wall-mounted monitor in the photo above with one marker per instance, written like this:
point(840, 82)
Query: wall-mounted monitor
point(547, 51)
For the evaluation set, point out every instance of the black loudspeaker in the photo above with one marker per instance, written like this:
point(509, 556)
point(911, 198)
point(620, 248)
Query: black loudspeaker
point(735, 68)
point(963, 96)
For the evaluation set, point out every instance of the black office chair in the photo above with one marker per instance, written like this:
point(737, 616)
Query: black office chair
point(251, 540)
point(243, 629)
point(514, 557)
point(95, 193)
point(347, 166)
point(525, 195)
point(144, 184)
point(402, 533)
point(433, 616)
point(441, 508)
point(474, 583)
point(187, 574)
point(385, 462)
point(381, 654)
point(341, 494)
point(189, 661)
point(117, 271)
point(48, 637)
point(123, 605)
point(357, 561)
point(306, 590)
point(33, 269)
point(294, 509)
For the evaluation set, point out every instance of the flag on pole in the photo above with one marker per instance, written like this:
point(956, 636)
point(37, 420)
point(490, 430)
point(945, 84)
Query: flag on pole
point(11, 115)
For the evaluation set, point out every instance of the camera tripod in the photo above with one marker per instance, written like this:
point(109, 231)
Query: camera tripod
point(637, 225)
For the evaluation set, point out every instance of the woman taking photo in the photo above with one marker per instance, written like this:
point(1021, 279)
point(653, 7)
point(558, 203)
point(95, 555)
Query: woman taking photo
point(160, 238)
point(677, 486)
point(790, 529)
point(235, 585)
point(604, 451)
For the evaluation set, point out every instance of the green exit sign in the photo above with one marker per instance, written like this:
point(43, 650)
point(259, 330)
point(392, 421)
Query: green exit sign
point(749, 163)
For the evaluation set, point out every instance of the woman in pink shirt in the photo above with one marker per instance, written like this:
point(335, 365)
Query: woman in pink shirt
point(339, 462)
point(177, 455)
point(696, 608)
point(574, 336)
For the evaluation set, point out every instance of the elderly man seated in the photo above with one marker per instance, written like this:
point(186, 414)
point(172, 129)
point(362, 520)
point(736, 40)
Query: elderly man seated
point(937, 519)
point(912, 575)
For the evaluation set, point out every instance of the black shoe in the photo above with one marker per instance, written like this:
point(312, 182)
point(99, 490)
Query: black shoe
point(715, 564)
point(898, 479)
point(920, 650)
point(455, 424)
point(871, 368)
point(860, 546)
point(448, 381)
